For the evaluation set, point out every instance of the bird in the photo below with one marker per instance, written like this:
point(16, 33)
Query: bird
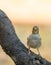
point(34, 40)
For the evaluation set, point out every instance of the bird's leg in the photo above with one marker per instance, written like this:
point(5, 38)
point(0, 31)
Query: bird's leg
point(38, 52)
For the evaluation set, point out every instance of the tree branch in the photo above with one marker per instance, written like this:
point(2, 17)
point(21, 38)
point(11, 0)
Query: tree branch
point(13, 47)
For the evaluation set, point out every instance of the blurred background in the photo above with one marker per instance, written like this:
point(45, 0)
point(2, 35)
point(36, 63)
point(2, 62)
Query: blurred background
point(24, 14)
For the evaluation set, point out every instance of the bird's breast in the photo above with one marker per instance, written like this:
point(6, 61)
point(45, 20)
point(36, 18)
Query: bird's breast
point(34, 43)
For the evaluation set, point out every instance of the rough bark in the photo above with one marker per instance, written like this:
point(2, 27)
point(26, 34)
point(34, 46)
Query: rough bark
point(13, 47)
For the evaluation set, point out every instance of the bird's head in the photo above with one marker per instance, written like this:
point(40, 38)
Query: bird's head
point(35, 30)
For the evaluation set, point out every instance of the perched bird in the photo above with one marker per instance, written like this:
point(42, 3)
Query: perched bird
point(34, 40)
